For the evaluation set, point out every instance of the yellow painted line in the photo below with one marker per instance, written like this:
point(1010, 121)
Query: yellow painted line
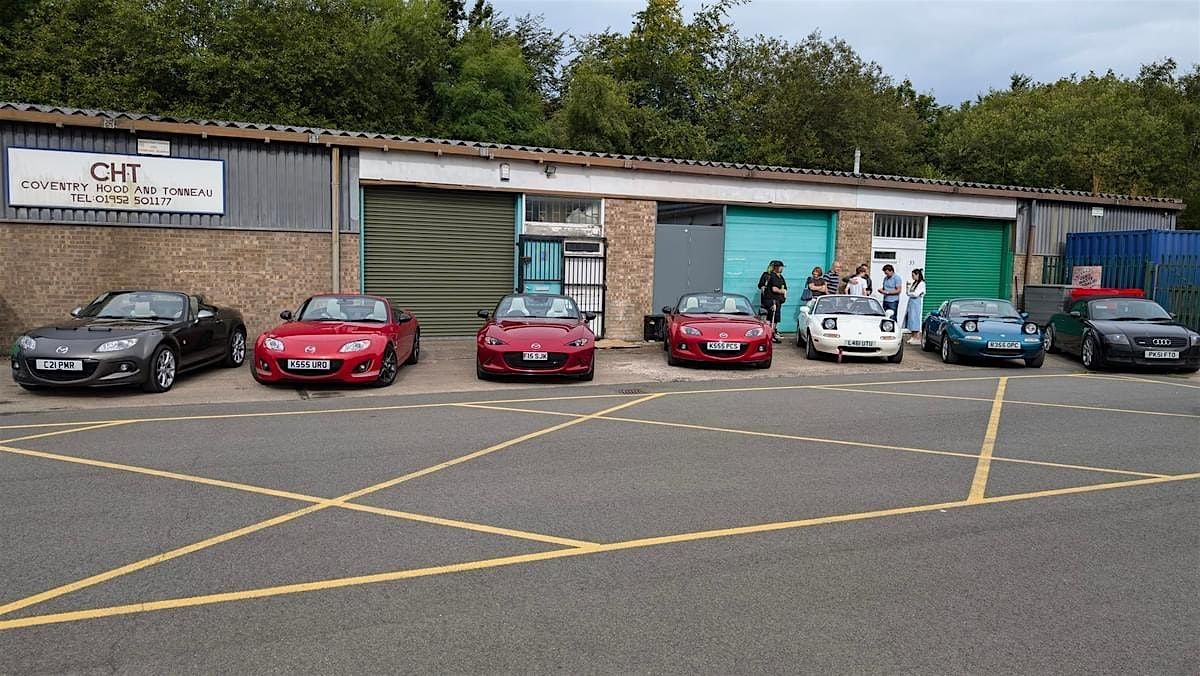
point(323, 585)
point(56, 433)
point(1100, 409)
point(301, 497)
point(984, 466)
point(284, 518)
point(842, 442)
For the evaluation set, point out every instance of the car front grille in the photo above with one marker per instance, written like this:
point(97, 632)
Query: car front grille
point(554, 360)
point(89, 367)
point(1157, 343)
point(723, 353)
point(334, 366)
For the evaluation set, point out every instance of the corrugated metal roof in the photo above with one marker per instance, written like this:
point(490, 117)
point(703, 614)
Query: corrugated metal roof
point(910, 180)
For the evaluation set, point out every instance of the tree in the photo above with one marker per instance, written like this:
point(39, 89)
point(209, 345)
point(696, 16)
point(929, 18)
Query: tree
point(490, 94)
point(595, 113)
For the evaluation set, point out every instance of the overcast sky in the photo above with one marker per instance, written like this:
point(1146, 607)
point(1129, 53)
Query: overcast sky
point(954, 49)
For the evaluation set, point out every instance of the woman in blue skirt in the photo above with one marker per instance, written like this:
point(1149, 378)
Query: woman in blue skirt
point(912, 317)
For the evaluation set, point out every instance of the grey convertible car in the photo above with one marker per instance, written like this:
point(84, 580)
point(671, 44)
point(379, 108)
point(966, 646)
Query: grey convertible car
point(130, 337)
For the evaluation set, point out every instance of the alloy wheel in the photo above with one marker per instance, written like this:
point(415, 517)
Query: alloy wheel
point(164, 369)
point(237, 348)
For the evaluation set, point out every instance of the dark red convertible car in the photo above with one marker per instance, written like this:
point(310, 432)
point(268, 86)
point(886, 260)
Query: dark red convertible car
point(338, 338)
point(536, 334)
point(716, 327)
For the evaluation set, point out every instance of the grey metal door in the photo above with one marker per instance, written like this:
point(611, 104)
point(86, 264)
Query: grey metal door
point(686, 258)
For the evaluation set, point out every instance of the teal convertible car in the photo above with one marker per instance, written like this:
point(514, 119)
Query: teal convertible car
point(984, 328)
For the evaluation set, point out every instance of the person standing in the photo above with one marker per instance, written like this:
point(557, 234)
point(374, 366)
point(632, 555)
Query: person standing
point(833, 278)
point(774, 294)
point(815, 285)
point(864, 271)
point(859, 284)
point(891, 289)
point(916, 292)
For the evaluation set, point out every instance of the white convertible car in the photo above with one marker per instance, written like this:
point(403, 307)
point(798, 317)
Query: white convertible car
point(849, 325)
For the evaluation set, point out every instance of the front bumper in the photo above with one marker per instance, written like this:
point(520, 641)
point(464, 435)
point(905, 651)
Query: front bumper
point(104, 370)
point(1136, 356)
point(350, 368)
point(977, 346)
point(831, 342)
point(507, 359)
point(693, 348)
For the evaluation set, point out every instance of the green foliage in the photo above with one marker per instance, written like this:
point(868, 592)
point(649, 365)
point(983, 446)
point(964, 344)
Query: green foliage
point(672, 86)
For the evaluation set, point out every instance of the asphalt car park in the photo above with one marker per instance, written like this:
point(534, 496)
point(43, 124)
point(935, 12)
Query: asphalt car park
point(934, 521)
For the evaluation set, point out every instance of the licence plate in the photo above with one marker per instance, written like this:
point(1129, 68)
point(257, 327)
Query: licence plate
point(309, 364)
point(535, 356)
point(1162, 354)
point(860, 343)
point(59, 364)
point(1001, 345)
point(725, 346)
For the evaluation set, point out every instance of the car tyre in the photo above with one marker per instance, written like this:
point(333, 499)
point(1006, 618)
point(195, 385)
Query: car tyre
point(898, 357)
point(763, 364)
point(799, 338)
point(926, 343)
point(1089, 354)
point(388, 368)
point(949, 356)
point(1036, 362)
point(591, 373)
point(810, 352)
point(1048, 340)
point(415, 355)
point(1189, 370)
point(672, 360)
point(31, 388)
point(164, 366)
point(235, 352)
point(479, 372)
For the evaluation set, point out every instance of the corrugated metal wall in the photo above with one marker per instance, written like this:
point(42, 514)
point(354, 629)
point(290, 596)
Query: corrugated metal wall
point(268, 186)
point(1054, 220)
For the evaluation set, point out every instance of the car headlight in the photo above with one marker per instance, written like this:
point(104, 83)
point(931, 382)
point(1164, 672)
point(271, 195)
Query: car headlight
point(1196, 340)
point(27, 343)
point(691, 331)
point(755, 332)
point(355, 346)
point(273, 344)
point(887, 326)
point(970, 326)
point(493, 341)
point(578, 342)
point(1030, 328)
point(1117, 338)
point(829, 324)
point(117, 345)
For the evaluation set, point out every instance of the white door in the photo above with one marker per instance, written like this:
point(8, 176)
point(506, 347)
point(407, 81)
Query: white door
point(905, 256)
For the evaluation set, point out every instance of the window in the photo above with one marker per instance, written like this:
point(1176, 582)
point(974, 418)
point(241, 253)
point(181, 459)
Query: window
point(569, 210)
point(899, 227)
point(583, 248)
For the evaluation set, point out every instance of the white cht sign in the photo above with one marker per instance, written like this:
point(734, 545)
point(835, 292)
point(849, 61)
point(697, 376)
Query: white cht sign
point(74, 180)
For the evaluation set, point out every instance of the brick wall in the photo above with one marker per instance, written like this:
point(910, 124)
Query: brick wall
point(629, 227)
point(49, 269)
point(854, 232)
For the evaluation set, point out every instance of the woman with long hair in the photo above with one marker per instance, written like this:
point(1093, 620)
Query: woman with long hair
point(774, 294)
point(912, 317)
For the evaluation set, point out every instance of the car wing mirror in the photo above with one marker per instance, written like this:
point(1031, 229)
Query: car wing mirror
point(1076, 314)
point(205, 314)
point(1172, 315)
point(935, 313)
point(77, 311)
point(403, 317)
point(667, 309)
point(286, 315)
point(1024, 315)
point(483, 314)
point(589, 316)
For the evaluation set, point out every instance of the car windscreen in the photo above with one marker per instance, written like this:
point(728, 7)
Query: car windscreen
point(1126, 309)
point(343, 309)
point(982, 308)
point(847, 305)
point(152, 305)
point(715, 303)
point(537, 307)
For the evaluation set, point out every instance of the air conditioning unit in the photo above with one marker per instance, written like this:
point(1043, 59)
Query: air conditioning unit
point(584, 247)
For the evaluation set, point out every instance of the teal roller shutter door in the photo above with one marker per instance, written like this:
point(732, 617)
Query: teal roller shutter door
point(756, 235)
point(964, 258)
point(443, 254)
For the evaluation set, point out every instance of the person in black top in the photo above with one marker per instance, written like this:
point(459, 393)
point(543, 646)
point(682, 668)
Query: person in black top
point(774, 294)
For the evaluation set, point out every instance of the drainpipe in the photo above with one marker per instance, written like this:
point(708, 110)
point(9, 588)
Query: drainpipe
point(1028, 249)
point(335, 194)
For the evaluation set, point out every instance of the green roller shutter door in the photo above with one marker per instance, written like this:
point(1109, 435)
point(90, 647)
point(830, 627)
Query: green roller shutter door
point(443, 254)
point(966, 257)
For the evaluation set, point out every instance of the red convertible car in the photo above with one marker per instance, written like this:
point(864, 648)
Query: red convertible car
point(716, 327)
point(338, 338)
point(535, 334)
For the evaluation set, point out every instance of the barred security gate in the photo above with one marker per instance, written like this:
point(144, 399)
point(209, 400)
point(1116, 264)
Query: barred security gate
point(573, 268)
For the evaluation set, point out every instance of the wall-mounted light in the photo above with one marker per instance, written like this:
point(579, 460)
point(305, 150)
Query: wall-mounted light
point(550, 169)
point(504, 171)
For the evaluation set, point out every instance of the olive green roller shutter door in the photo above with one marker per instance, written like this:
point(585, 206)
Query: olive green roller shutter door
point(964, 257)
point(443, 254)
